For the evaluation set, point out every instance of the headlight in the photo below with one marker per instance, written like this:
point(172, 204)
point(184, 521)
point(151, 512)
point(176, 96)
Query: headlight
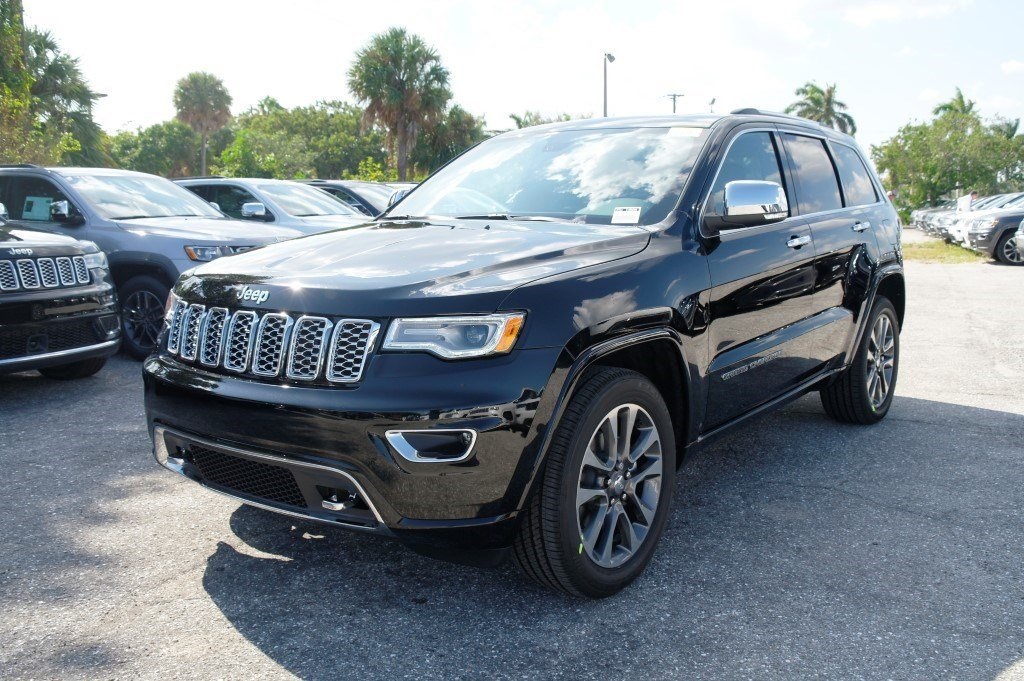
point(456, 337)
point(96, 261)
point(206, 253)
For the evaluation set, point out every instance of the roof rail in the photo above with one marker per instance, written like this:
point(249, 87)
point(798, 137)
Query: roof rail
point(19, 165)
point(751, 111)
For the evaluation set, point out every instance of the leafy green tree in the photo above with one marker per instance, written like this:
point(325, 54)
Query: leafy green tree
point(62, 100)
point(530, 118)
point(251, 155)
point(820, 104)
point(954, 153)
point(404, 86)
point(372, 170)
point(455, 132)
point(958, 105)
point(204, 104)
point(170, 149)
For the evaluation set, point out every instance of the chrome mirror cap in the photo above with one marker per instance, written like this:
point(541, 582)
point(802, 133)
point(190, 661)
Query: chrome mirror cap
point(254, 209)
point(755, 202)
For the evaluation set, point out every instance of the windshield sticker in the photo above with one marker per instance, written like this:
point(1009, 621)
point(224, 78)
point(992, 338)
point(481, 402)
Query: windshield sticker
point(628, 215)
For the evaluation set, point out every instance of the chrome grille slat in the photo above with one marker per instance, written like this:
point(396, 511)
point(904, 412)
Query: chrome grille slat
point(309, 345)
point(48, 273)
point(190, 331)
point(351, 344)
point(212, 336)
point(238, 346)
point(66, 270)
point(174, 330)
point(28, 273)
point(271, 343)
point(8, 279)
point(81, 269)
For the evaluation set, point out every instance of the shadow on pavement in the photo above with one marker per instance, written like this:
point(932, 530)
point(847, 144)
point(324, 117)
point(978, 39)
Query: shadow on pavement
point(797, 547)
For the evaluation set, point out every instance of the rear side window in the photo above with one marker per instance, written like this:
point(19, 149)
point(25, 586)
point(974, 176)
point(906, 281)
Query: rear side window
point(857, 185)
point(752, 156)
point(816, 183)
point(231, 198)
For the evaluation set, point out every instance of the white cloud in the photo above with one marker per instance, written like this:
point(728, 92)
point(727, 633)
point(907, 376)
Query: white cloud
point(868, 14)
point(929, 95)
point(1012, 66)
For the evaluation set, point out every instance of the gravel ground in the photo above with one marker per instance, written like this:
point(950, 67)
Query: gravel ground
point(797, 547)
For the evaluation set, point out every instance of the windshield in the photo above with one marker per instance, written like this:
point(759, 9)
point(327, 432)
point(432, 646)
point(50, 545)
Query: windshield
point(597, 176)
point(301, 201)
point(124, 197)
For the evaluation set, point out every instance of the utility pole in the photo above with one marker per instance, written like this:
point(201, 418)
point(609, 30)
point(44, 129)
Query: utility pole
point(674, 96)
point(711, 105)
point(607, 59)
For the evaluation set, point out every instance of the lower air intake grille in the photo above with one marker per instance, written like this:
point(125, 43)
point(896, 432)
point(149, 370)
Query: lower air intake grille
point(253, 478)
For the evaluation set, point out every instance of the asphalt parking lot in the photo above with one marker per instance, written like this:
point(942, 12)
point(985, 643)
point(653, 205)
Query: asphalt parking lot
point(797, 547)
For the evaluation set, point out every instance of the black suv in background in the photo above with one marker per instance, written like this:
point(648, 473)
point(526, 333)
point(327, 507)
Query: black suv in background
point(516, 357)
point(58, 310)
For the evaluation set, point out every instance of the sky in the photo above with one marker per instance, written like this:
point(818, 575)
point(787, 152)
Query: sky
point(892, 61)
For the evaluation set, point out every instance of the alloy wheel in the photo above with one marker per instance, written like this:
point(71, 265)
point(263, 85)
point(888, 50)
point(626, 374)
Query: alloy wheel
point(881, 360)
point(142, 315)
point(1010, 251)
point(619, 486)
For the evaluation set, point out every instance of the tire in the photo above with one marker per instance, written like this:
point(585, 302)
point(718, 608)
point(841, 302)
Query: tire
point(1006, 250)
point(142, 314)
point(853, 397)
point(549, 547)
point(69, 372)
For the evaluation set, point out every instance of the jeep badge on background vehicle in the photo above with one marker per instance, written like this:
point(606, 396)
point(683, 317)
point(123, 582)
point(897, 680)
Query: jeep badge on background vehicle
point(515, 358)
point(58, 310)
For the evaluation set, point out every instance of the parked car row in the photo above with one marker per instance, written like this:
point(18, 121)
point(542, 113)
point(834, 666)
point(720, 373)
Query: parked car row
point(991, 226)
point(136, 233)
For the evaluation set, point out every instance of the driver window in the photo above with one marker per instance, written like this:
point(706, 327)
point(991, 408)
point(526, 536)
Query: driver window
point(31, 197)
point(230, 199)
point(752, 156)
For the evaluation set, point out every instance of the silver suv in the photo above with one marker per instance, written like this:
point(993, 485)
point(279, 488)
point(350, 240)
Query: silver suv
point(283, 202)
point(151, 230)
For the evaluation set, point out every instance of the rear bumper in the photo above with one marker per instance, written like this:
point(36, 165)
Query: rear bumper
point(330, 444)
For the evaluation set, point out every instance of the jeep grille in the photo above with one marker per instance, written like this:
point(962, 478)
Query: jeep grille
point(32, 274)
point(271, 345)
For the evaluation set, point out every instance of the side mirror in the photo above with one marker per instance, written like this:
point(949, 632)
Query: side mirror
point(4, 215)
point(60, 211)
point(749, 203)
point(398, 196)
point(215, 204)
point(254, 210)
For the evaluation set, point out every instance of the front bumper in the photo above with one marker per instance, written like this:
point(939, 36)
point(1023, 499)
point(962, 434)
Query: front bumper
point(331, 443)
point(39, 329)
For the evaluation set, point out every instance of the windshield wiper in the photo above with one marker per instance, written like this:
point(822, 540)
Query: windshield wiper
point(506, 216)
point(131, 217)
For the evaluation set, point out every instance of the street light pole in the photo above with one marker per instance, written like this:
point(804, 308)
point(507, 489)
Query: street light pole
point(674, 96)
point(607, 59)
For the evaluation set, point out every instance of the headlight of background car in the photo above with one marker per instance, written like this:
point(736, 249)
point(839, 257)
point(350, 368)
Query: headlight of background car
point(206, 253)
point(456, 337)
point(96, 261)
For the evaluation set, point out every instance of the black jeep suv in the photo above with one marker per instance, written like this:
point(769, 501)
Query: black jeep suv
point(515, 358)
point(58, 310)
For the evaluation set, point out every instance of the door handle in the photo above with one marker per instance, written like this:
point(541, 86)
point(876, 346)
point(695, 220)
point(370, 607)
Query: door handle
point(798, 241)
point(861, 226)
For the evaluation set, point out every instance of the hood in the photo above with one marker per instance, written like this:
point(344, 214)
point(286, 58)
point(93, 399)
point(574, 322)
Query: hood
point(236, 232)
point(41, 243)
point(996, 213)
point(405, 268)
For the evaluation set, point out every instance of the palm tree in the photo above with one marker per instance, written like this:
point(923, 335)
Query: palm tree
point(820, 104)
point(404, 87)
point(204, 104)
point(958, 105)
point(61, 97)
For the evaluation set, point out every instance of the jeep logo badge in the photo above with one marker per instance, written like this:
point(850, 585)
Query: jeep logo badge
point(254, 295)
point(20, 251)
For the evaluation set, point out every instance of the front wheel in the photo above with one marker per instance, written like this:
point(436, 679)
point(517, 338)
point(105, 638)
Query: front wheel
point(602, 503)
point(863, 392)
point(142, 314)
point(1006, 250)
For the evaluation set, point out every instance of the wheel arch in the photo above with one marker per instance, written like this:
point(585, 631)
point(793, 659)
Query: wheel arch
point(124, 268)
point(893, 286)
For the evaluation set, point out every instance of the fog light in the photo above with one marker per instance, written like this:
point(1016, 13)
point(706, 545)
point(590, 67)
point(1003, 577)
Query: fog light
point(437, 445)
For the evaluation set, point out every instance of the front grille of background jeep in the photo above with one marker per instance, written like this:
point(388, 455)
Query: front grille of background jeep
point(33, 274)
point(273, 345)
